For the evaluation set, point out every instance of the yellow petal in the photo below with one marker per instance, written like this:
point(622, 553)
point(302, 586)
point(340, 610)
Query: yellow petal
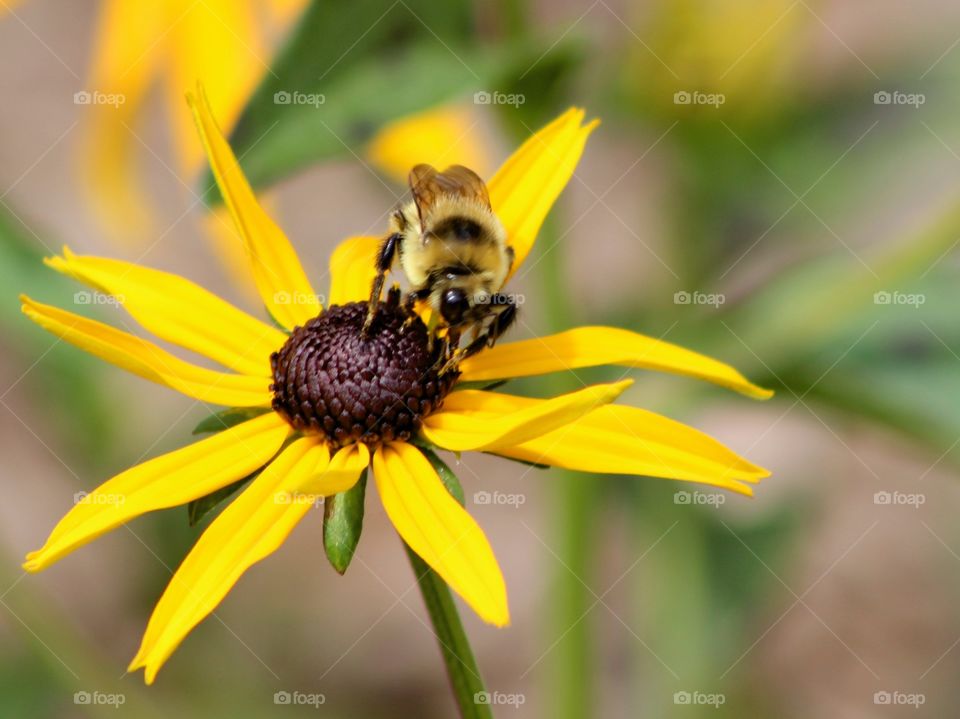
point(614, 439)
point(221, 43)
point(166, 481)
point(340, 474)
point(524, 189)
point(129, 47)
point(9, 6)
point(440, 136)
point(176, 310)
point(458, 428)
point(590, 346)
point(147, 360)
point(438, 529)
point(218, 227)
point(352, 269)
point(282, 283)
point(285, 11)
point(251, 528)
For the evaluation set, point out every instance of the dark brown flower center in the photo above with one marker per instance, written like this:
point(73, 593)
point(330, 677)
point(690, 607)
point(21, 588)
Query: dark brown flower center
point(331, 380)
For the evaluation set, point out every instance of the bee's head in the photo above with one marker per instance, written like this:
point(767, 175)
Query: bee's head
point(454, 305)
point(461, 298)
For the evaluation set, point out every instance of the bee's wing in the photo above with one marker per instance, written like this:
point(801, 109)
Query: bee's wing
point(427, 185)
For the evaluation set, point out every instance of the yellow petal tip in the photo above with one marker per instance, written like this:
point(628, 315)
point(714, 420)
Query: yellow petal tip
point(615, 389)
point(757, 392)
point(149, 672)
point(498, 616)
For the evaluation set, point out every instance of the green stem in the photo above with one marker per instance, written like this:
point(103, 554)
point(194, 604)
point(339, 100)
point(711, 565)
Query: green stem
point(457, 655)
point(575, 499)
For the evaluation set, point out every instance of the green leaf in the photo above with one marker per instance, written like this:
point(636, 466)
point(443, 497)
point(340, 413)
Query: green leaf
point(364, 77)
point(350, 86)
point(47, 367)
point(354, 107)
point(343, 524)
point(227, 418)
point(199, 508)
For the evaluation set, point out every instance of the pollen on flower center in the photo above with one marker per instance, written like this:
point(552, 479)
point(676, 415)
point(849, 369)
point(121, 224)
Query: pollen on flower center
point(332, 381)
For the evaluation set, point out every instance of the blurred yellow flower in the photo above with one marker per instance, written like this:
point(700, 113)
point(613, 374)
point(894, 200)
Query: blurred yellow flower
point(327, 402)
point(746, 52)
point(173, 42)
point(439, 136)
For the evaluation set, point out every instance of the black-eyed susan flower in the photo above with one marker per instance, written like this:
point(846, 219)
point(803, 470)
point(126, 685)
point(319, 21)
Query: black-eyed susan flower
point(326, 403)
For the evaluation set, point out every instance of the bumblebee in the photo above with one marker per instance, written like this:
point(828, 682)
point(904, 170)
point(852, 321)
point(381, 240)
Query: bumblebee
point(454, 253)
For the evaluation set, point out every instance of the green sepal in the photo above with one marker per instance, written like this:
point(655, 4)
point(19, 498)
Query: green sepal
point(343, 524)
point(485, 384)
point(535, 465)
point(199, 508)
point(228, 418)
point(275, 322)
point(447, 476)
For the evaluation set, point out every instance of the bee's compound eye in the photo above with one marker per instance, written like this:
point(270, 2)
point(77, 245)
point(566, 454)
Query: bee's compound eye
point(454, 305)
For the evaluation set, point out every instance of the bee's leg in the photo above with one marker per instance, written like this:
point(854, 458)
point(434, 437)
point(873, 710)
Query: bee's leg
point(410, 305)
point(432, 330)
point(503, 318)
point(393, 296)
point(384, 260)
point(452, 352)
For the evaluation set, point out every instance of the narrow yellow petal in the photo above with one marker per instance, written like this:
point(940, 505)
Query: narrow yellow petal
point(219, 229)
point(251, 528)
point(614, 439)
point(440, 136)
point(524, 189)
point(352, 269)
point(129, 46)
point(166, 481)
point(282, 283)
point(147, 360)
point(220, 42)
point(590, 346)
point(176, 310)
point(340, 474)
point(458, 428)
point(438, 529)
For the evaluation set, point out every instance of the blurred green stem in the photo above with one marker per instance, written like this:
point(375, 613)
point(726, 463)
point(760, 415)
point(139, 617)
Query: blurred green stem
point(575, 501)
point(462, 668)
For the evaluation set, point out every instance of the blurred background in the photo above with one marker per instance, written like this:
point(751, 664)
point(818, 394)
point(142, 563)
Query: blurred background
point(775, 183)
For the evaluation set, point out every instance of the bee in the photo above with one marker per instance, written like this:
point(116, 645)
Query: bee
point(454, 252)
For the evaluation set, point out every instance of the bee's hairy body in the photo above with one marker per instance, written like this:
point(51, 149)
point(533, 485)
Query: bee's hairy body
point(454, 252)
point(477, 263)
